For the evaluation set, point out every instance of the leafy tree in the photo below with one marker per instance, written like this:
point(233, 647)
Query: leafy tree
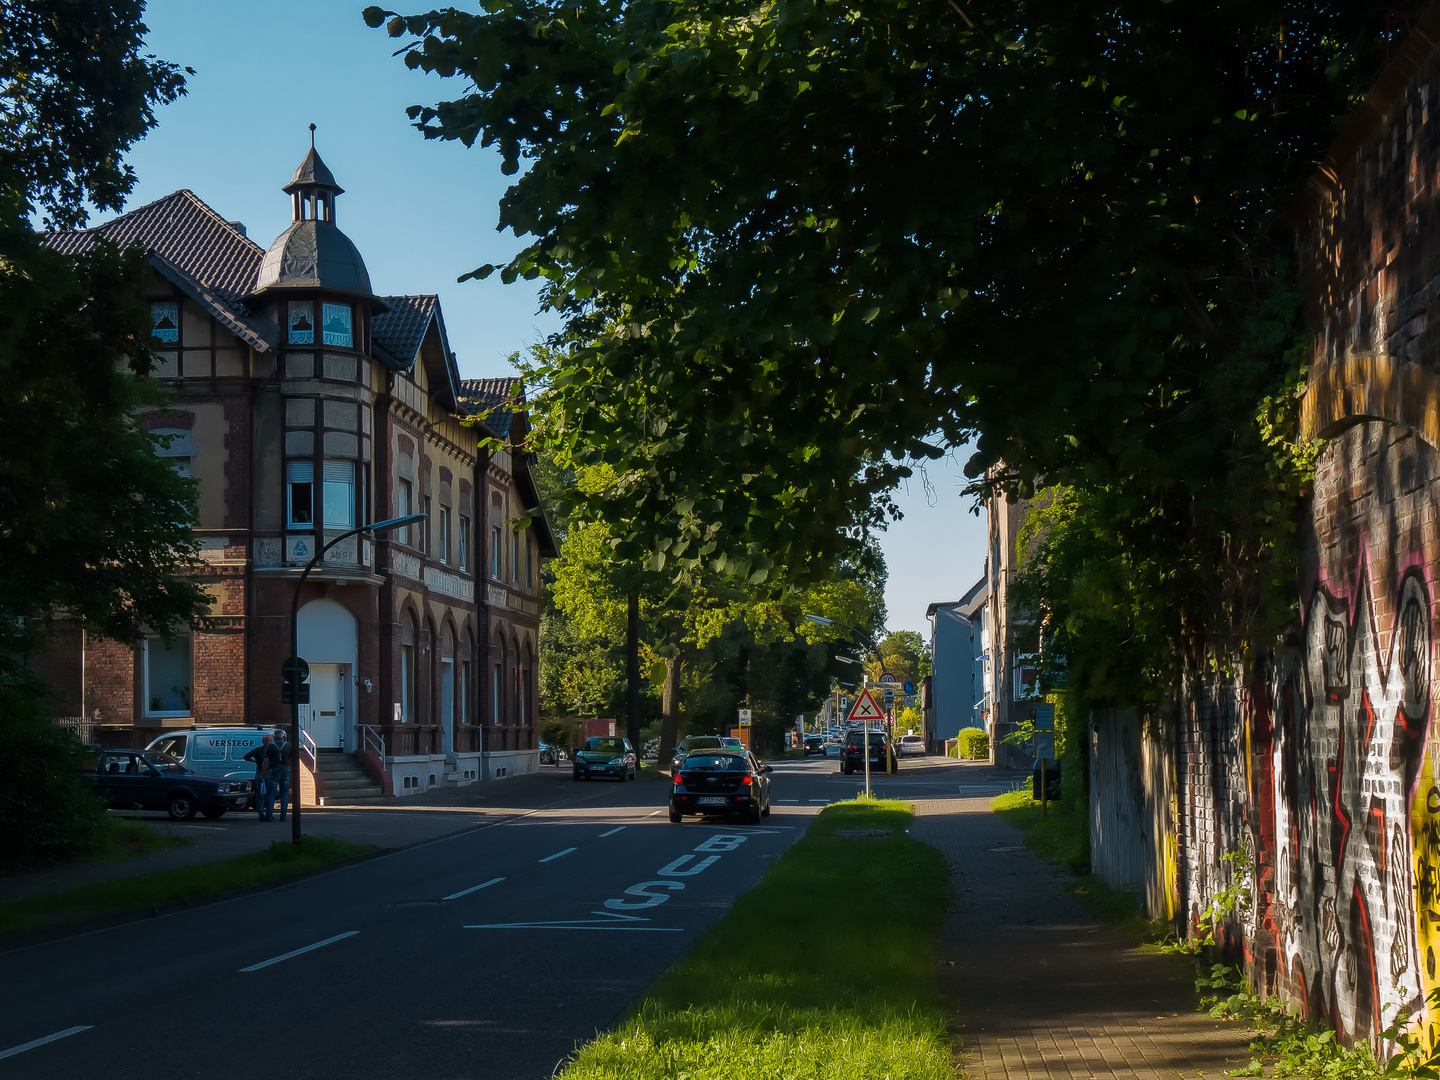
point(797, 245)
point(93, 525)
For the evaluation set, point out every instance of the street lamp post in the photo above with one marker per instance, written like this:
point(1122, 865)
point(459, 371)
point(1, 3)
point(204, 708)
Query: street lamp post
point(293, 670)
point(869, 642)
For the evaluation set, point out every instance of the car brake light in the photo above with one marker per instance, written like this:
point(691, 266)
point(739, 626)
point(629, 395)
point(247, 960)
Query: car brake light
point(747, 780)
point(679, 779)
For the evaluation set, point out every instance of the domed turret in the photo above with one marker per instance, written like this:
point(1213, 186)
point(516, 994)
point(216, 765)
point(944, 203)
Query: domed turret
point(313, 253)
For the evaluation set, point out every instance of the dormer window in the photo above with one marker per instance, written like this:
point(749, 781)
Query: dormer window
point(165, 320)
point(302, 326)
point(335, 325)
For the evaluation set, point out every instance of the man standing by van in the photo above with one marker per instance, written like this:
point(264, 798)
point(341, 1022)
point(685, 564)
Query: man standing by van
point(280, 771)
point(264, 757)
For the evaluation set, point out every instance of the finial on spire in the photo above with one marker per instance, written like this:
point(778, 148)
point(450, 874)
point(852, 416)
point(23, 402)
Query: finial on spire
point(312, 136)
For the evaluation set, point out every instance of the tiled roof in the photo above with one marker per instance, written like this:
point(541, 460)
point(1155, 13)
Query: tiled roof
point(401, 330)
point(491, 399)
point(216, 262)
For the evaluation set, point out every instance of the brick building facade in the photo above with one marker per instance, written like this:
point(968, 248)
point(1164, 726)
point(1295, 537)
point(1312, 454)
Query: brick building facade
point(304, 405)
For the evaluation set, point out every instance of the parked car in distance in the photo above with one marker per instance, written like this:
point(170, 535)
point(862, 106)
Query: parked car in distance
point(150, 780)
point(549, 754)
point(732, 742)
point(814, 744)
point(721, 781)
point(689, 745)
point(606, 755)
point(912, 745)
point(850, 756)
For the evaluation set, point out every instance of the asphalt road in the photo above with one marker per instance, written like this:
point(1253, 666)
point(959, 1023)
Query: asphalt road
point(491, 953)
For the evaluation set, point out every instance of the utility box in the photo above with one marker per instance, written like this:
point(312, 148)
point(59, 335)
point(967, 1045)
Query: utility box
point(600, 728)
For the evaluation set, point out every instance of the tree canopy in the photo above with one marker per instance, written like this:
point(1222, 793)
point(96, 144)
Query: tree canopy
point(93, 524)
point(800, 245)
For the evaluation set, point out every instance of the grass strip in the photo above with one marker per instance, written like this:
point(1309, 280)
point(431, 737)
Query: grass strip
point(825, 970)
point(185, 883)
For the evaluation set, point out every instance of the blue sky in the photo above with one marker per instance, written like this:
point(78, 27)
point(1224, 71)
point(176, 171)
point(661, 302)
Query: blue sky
point(421, 213)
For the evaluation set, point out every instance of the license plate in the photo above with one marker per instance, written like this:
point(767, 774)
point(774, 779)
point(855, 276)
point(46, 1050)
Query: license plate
point(712, 800)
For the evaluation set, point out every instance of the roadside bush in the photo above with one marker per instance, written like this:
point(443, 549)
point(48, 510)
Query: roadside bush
point(47, 811)
point(973, 744)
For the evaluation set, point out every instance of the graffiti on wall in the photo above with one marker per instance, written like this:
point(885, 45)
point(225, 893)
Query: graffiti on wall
point(1325, 772)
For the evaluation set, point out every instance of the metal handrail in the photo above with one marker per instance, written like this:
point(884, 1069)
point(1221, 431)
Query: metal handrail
point(371, 739)
point(307, 746)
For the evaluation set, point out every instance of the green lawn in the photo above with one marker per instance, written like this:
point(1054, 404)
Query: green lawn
point(280, 860)
point(788, 986)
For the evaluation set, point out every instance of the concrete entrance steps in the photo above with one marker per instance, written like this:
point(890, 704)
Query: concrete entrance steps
point(344, 779)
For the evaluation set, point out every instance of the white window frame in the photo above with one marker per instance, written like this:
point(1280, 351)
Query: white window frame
point(299, 472)
point(341, 480)
point(188, 642)
point(462, 545)
point(443, 547)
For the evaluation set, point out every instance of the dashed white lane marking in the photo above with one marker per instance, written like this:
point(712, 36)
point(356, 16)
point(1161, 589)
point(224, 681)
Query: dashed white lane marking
point(298, 952)
point(558, 854)
point(474, 888)
point(612, 832)
point(787, 800)
point(32, 1044)
point(820, 800)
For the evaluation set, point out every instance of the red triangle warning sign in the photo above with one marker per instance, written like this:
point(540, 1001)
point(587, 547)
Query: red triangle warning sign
point(866, 708)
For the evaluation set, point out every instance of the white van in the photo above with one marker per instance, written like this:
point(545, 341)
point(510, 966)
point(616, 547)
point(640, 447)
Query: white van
point(218, 752)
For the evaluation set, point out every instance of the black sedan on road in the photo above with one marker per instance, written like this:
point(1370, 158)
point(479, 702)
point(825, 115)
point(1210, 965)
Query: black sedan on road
point(606, 755)
point(882, 753)
point(692, 744)
point(721, 781)
point(814, 744)
point(153, 780)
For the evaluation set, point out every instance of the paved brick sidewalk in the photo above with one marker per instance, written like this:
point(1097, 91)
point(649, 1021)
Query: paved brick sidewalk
point(1040, 988)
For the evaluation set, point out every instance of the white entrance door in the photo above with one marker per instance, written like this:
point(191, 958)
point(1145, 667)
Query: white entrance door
point(326, 718)
point(447, 705)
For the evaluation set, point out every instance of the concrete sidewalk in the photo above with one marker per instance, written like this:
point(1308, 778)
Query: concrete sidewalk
point(1040, 988)
point(385, 823)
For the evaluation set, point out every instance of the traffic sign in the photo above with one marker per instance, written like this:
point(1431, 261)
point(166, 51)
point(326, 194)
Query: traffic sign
point(886, 678)
point(287, 693)
point(866, 708)
point(744, 717)
point(909, 689)
point(1045, 717)
point(288, 668)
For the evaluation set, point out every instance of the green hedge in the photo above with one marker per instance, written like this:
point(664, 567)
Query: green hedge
point(973, 744)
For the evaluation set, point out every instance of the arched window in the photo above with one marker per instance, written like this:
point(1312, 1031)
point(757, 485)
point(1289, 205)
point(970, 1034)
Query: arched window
point(497, 688)
point(407, 668)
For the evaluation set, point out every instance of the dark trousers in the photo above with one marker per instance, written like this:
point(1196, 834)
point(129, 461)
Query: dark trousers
point(265, 797)
point(280, 784)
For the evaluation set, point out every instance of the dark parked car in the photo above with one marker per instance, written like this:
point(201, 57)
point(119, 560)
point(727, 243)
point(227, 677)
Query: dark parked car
point(814, 744)
point(690, 745)
point(152, 780)
point(880, 748)
point(721, 781)
point(606, 755)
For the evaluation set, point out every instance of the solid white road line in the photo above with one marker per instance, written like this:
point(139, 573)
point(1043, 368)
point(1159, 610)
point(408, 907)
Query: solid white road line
point(297, 952)
point(474, 888)
point(820, 800)
point(552, 858)
point(47, 1039)
point(612, 832)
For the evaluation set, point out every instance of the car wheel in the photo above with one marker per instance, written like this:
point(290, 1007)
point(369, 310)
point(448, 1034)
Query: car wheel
point(181, 807)
point(213, 814)
point(754, 816)
point(765, 810)
point(676, 817)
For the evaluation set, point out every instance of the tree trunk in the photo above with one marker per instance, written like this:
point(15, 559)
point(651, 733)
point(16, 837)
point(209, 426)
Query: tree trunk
point(632, 671)
point(670, 725)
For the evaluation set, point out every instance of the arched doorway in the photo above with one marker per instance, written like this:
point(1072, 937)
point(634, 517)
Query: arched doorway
point(330, 644)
